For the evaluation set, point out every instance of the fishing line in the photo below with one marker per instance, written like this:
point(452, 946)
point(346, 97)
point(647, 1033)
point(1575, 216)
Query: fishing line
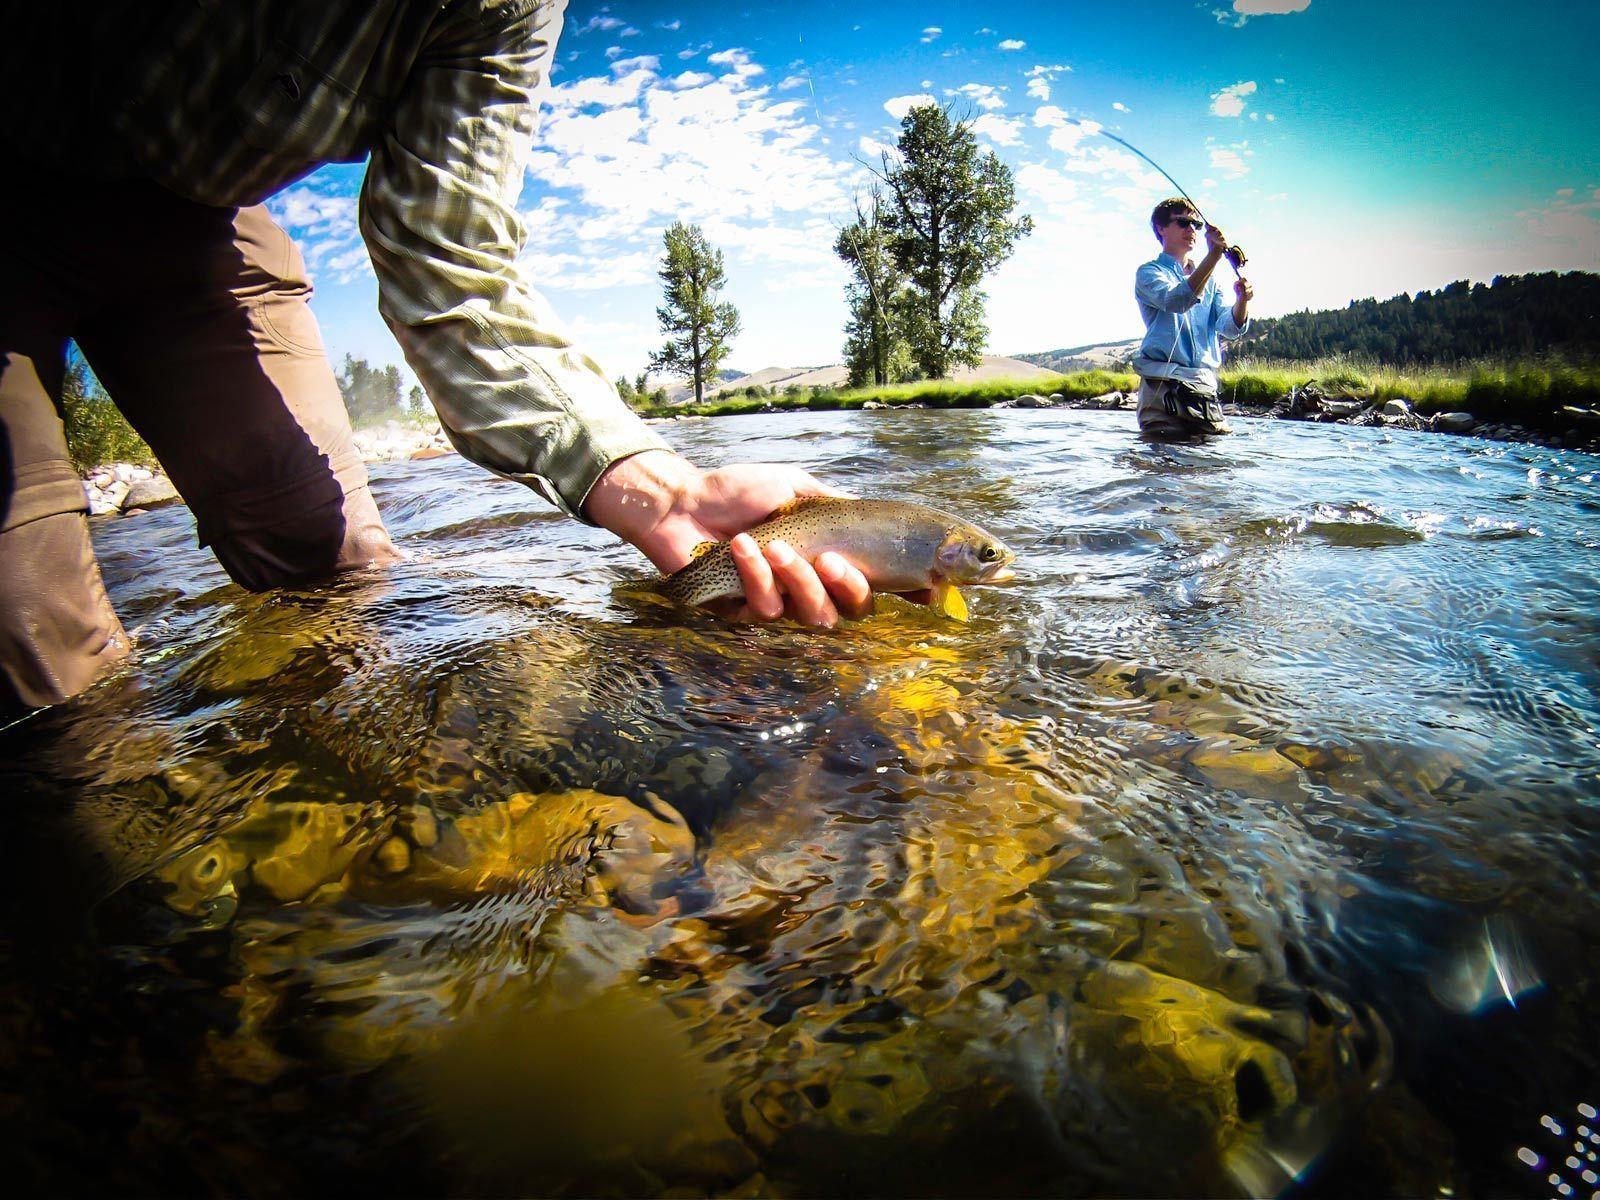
point(1233, 254)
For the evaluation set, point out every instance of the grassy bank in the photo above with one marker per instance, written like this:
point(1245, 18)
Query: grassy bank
point(1529, 393)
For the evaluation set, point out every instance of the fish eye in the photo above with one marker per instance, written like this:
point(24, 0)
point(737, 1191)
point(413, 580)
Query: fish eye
point(989, 553)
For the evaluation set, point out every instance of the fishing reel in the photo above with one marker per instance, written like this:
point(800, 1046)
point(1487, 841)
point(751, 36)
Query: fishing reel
point(1236, 258)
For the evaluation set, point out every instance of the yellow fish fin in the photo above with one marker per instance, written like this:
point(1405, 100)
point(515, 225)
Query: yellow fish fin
point(947, 599)
point(703, 548)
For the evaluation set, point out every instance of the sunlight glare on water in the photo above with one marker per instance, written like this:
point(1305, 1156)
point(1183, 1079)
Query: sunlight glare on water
point(1245, 841)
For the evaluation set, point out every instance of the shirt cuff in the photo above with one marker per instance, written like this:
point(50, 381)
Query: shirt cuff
point(592, 449)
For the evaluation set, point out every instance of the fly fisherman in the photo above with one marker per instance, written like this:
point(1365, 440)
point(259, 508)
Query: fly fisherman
point(141, 138)
point(1184, 316)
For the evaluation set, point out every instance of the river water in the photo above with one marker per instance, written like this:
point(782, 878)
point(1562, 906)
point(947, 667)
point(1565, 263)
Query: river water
point(1245, 844)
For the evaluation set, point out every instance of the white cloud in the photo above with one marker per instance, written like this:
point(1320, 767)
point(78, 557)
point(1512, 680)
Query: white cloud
point(1120, 106)
point(739, 59)
point(602, 22)
point(1040, 78)
point(587, 272)
point(323, 222)
point(791, 81)
point(1013, 44)
point(1230, 160)
point(984, 95)
point(873, 148)
point(1002, 131)
point(642, 62)
point(925, 84)
point(928, 34)
point(671, 26)
point(715, 149)
point(1261, 8)
point(898, 106)
point(1568, 221)
point(1229, 102)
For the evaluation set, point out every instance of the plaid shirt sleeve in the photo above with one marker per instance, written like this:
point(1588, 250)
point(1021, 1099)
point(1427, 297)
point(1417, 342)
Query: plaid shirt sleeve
point(439, 219)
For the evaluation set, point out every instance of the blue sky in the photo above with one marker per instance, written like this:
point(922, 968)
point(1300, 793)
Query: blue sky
point(1354, 147)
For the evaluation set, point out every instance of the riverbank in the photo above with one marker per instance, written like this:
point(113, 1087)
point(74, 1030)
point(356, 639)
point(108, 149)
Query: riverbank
point(1540, 405)
point(1545, 403)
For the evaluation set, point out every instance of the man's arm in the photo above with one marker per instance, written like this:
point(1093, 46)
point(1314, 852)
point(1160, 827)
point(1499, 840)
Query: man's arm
point(1162, 292)
point(1216, 246)
point(512, 391)
point(438, 215)
point(1243, 293)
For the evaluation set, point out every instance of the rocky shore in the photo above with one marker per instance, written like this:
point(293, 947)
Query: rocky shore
point(1577, 428)
point(130, 489)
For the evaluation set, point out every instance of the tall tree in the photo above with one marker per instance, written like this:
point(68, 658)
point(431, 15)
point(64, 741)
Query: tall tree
point(875, 349)
point(697, 325)
point(949, 224)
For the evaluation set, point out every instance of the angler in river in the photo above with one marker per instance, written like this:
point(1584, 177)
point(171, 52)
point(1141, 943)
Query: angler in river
point(155, 253)
point(1185, 319)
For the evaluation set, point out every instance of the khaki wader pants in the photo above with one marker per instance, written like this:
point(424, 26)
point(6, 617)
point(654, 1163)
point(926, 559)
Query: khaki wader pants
point(196, 321)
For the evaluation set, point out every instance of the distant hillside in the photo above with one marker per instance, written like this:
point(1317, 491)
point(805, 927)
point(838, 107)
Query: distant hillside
point(1516, 316)
point(1096, 356)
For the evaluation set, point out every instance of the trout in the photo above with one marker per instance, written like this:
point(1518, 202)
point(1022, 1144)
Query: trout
point(899, 546)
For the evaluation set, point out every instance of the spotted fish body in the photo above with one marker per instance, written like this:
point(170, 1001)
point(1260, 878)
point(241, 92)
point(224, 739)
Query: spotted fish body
point(898, 545)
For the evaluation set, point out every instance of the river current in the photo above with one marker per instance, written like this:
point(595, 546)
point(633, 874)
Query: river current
point(1246, 843)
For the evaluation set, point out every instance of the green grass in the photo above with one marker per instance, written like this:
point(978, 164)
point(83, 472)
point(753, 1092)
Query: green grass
point(1527, 393)
point(934, 393)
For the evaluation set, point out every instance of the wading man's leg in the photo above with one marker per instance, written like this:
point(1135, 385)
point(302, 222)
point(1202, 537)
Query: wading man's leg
point(196, 320)
point(215, 357)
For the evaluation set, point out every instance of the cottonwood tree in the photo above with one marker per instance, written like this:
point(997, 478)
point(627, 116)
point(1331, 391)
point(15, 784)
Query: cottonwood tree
point(948, 223)
point(698, 327)
point(875, 348)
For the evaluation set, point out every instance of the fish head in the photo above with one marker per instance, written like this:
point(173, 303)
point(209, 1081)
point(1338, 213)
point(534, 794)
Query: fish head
point(972, 555)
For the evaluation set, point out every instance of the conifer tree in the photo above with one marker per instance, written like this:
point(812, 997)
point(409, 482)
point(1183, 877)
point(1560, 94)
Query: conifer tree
point(699, 328)
point(949, 224)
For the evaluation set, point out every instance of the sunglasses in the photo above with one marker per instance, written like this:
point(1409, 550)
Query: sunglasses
point(1190, 222)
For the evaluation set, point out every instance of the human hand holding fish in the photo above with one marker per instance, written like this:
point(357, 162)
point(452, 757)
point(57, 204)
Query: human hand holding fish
point(819, 550)
point(666, 507)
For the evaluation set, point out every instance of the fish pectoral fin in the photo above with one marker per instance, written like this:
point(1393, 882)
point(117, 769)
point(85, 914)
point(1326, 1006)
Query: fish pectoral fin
point(703, 548)
point(947, 598)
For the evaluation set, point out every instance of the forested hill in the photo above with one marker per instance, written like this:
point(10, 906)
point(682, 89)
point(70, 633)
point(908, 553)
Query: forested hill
point(1513, 317)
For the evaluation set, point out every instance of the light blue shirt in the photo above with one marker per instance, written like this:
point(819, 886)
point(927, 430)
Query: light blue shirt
point(1182, 330)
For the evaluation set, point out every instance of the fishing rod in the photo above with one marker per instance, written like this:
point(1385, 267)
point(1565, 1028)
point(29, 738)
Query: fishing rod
point(1234, 254)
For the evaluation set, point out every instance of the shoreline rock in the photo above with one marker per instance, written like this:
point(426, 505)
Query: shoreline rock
point(130, 489)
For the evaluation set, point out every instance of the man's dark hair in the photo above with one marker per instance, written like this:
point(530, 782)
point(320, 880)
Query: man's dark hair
point(1176, 206)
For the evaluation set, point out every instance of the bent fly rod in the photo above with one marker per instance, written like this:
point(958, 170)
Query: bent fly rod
point(1234, 254)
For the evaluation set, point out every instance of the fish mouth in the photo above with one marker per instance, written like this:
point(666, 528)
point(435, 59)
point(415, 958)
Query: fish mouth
point(1000, 575)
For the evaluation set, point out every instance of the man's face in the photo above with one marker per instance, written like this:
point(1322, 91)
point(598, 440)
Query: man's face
point(1180, 234)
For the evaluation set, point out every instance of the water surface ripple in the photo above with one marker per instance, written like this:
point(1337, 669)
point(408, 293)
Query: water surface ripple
point(1245, 845)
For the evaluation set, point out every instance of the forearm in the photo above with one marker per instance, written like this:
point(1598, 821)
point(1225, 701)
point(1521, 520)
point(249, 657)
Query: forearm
point(1241, 312)
point(1201, 275)
point(634, 497)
